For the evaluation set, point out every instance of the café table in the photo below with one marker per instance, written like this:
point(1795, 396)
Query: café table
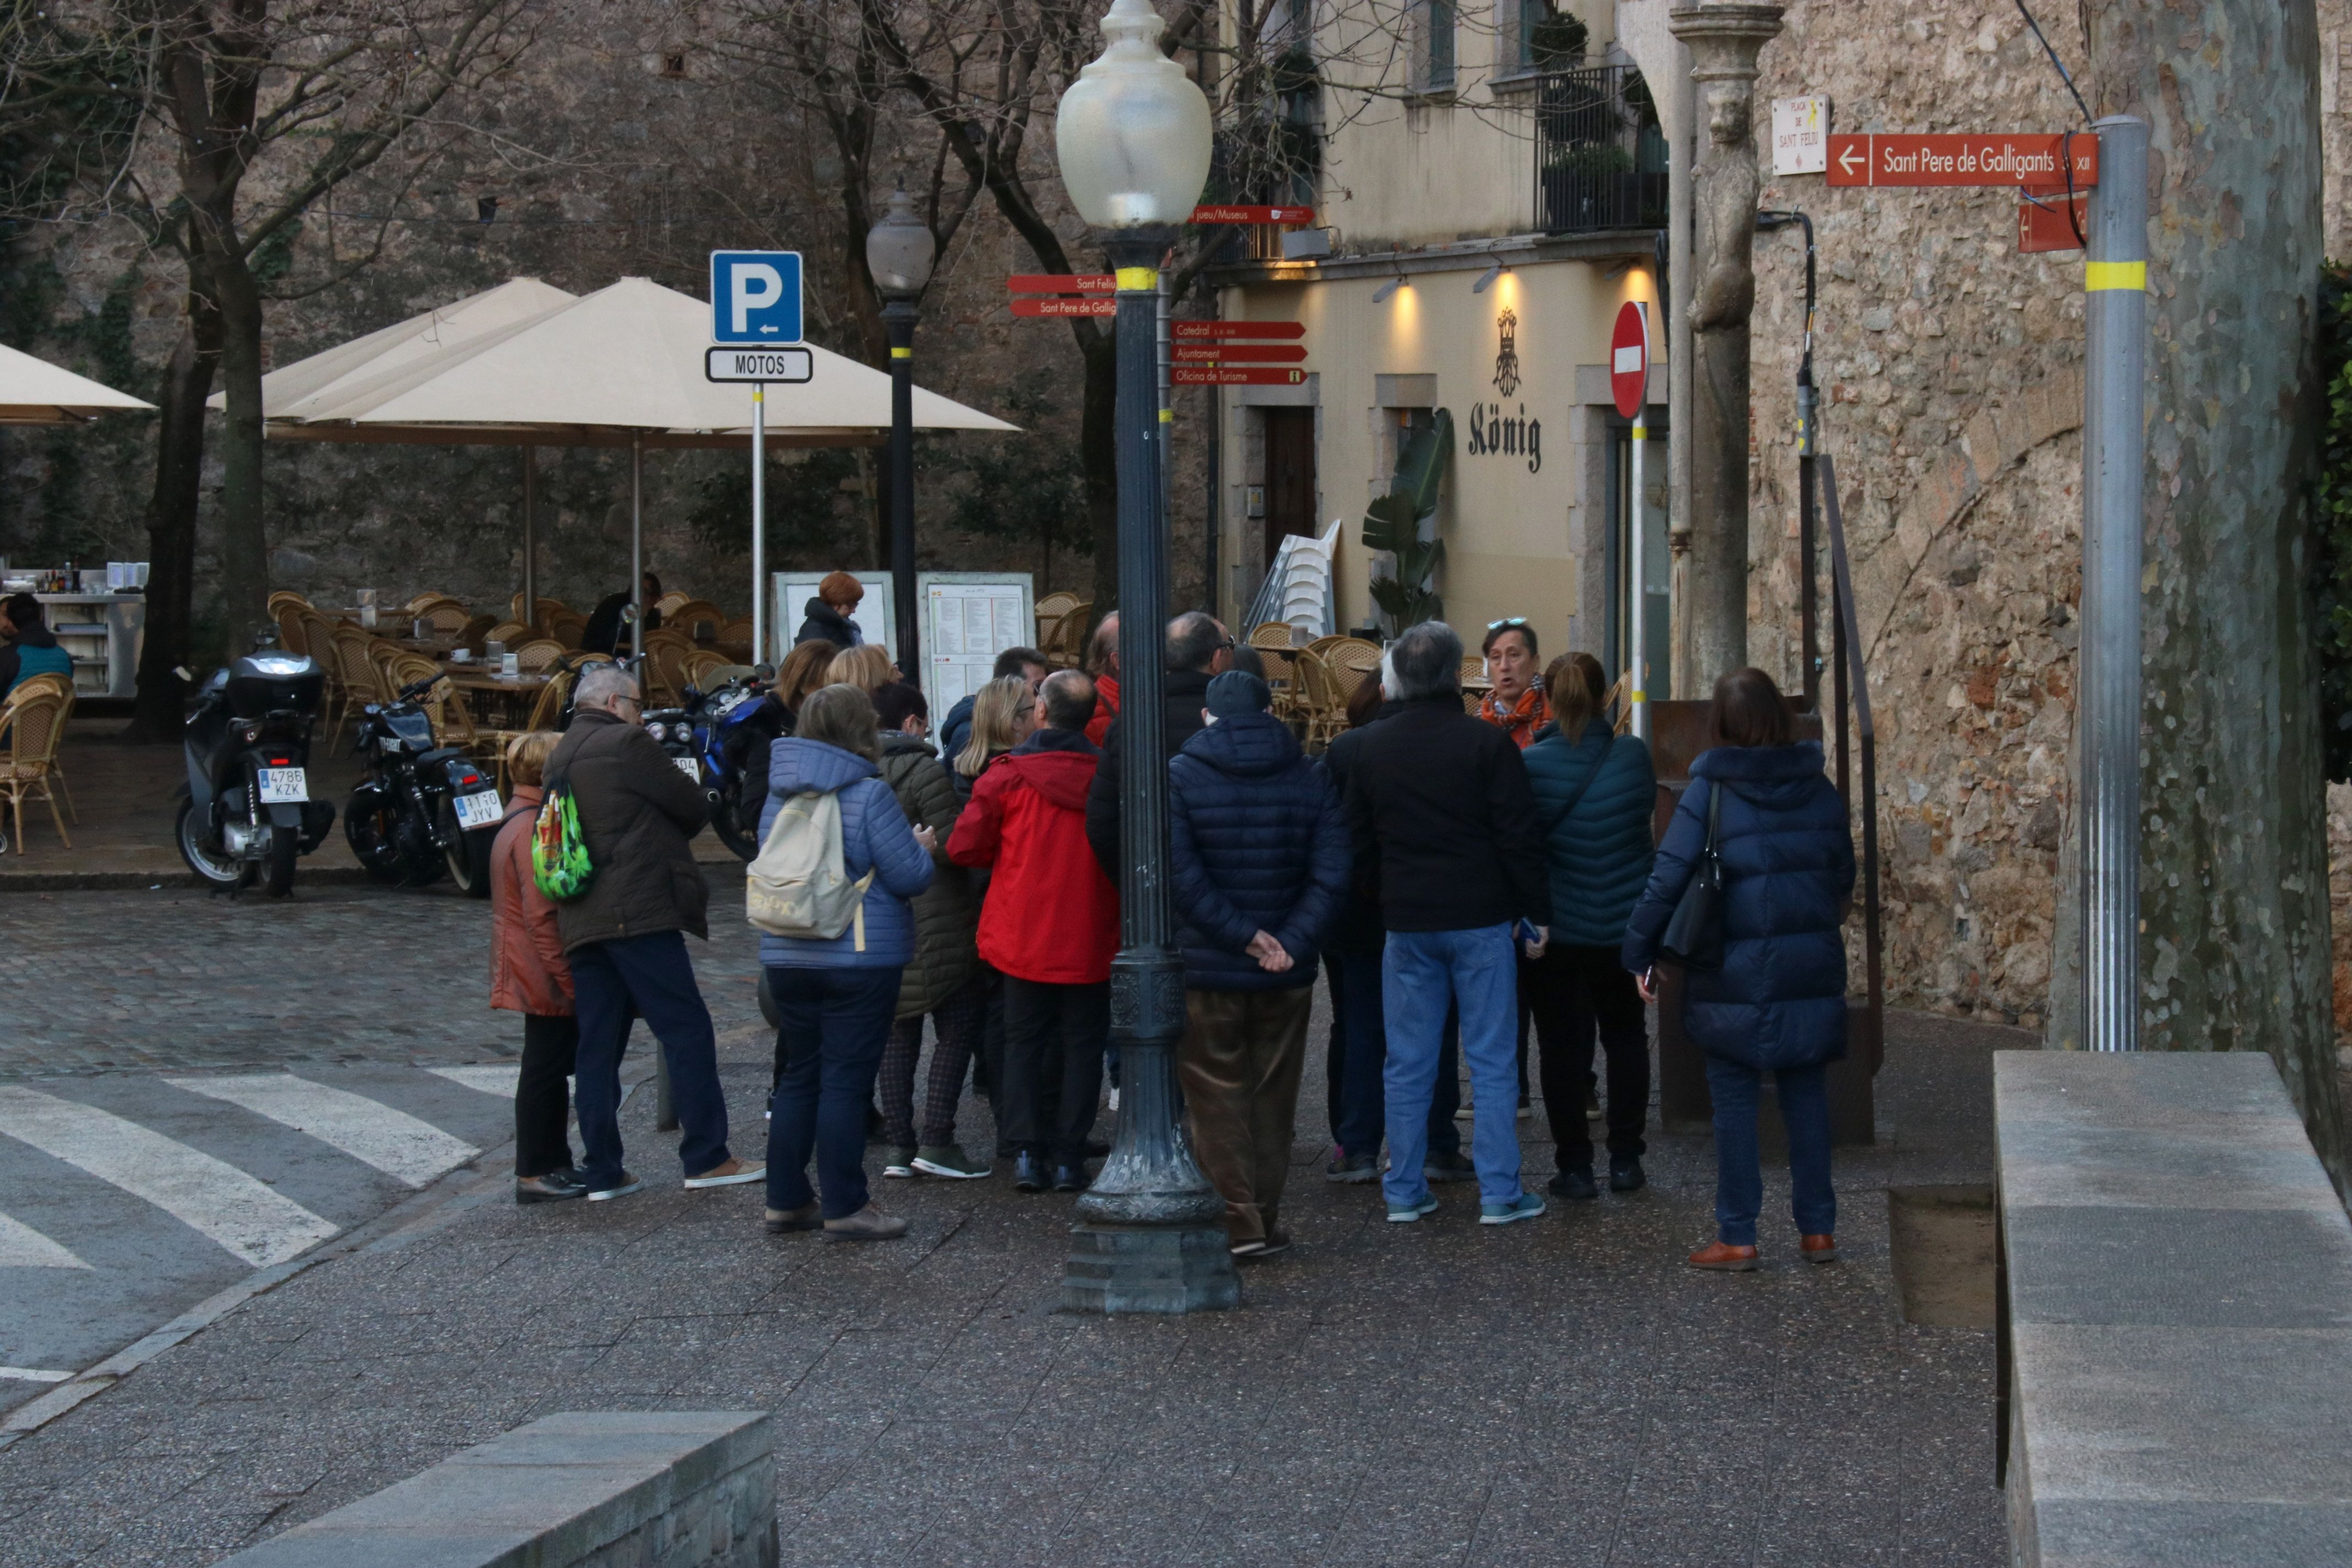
point(512, 695)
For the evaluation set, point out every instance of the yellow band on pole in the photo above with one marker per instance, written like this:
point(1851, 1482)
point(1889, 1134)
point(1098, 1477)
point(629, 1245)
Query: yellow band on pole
point(1640, 432)
point(758, 392)
point(1641, 697)
point(902, 354)
point(1167, 417)
point(2103, 275)
point(1139, 279)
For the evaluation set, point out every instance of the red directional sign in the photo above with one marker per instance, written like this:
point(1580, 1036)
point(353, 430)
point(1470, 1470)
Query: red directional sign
point(1293, 217)
point(1196, 330)
point(1066, 306)
point(1996, 158)
point(2042, 224)
point(1062, 283)
point(1234, 375)
point(1629, 360)
point(1236, 353)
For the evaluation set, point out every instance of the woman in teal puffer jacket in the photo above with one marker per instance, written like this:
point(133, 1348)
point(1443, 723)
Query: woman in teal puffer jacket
point(1594, 795)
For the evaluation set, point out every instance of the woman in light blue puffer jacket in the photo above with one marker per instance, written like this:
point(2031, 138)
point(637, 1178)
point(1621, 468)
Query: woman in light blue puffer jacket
point(835, 1000)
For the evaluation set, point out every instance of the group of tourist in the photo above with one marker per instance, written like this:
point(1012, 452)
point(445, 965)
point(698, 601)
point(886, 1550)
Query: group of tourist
point(1462, 880)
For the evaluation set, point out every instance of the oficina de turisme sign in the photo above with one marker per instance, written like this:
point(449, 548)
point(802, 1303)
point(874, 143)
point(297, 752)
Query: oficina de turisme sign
point(1494, 433)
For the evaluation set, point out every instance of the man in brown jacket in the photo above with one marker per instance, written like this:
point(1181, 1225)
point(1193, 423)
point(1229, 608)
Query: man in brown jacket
point(625, 935)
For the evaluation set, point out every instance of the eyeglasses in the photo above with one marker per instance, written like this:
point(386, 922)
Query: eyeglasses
point(1507, 621)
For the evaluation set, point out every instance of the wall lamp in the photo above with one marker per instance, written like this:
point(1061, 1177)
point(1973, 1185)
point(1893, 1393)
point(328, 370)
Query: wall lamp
point(1487, 279)
point(1381, 295)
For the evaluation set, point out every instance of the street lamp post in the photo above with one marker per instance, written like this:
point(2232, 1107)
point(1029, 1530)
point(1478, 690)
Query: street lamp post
point(1133, 138)
point(899, 252)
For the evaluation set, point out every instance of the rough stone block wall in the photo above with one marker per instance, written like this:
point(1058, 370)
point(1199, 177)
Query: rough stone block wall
point(730, 1523)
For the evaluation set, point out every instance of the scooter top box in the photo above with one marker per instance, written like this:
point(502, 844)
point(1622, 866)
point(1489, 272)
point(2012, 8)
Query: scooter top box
point(264, 683)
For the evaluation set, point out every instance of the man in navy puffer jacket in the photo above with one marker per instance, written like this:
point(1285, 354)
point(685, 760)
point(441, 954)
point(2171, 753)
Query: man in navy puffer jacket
point(1260, 861)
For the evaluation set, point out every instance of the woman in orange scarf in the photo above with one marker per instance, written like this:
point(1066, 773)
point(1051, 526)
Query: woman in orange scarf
point(1516, 701)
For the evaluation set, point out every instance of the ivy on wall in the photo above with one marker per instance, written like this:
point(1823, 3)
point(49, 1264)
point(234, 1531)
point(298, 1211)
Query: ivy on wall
point(2331, 556)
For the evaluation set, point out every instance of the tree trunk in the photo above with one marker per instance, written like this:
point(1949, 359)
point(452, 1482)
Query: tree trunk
point(172, 518)
point(244, 545)
point(1098, 461)
point(2234, 877)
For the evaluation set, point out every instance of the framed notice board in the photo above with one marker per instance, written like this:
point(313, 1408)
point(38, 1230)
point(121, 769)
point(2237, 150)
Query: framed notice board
point(968, 617)
point(876, 618)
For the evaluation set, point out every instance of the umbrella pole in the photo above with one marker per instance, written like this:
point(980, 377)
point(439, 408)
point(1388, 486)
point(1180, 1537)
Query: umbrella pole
point(758, 522)
point(638, 550)
point(530, 536)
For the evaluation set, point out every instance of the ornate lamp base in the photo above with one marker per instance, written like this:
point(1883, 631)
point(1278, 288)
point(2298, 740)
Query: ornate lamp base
point(1149, 1268)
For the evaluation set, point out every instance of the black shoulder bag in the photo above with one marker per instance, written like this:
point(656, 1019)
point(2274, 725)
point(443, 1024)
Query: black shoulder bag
point(1694, 937)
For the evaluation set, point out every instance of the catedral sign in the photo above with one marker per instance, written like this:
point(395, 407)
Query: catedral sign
point(1999, 158)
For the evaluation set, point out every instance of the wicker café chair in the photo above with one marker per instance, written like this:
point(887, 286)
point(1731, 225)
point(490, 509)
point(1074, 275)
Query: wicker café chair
point(1282, 679)
point(699, 619)
point(665, 661)
point(566, 627)
point(671, 601)
point(424, 603)
point(1320, 704)
point(32, 722)
point(448, 619)
point(490, 745)
point(510, 633)
point(1065, 641)
point(452, 722)
point(1272, 634)
point(355, 673)
point(536, 655)
point(1049, 612)
point(735, 640)
point(281, 599)
point(292, 635)
point(64, 686)
point(1349, 662)
point(551, 609)
point(699, 663)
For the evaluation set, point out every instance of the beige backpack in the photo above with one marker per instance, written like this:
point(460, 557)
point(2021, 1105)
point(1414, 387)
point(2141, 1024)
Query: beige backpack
point(798, 885)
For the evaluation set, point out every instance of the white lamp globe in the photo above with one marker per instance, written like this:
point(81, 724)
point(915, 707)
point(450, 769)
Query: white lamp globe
point(900, 249)
point(1133, 132)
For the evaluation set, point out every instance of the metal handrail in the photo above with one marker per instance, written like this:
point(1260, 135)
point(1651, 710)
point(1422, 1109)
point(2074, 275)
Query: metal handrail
point(1846, 664)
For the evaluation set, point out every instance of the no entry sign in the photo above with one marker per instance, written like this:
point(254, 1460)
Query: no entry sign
point(1629, 361)
point(1996, 159)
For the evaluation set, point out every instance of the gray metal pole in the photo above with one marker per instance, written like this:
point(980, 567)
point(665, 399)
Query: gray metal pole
point(758, 522)
point(1151, 1236)
point(2115, 451)
point(898, 319)
point(530, 537)
point(636, 542)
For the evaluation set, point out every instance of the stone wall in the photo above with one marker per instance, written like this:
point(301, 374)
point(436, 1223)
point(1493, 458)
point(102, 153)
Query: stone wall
point(624, 141)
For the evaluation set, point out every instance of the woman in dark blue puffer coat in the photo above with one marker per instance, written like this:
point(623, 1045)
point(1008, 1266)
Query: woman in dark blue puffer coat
point(1778, 1005)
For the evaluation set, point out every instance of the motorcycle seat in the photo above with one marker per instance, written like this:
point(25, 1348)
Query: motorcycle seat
point(439, 755)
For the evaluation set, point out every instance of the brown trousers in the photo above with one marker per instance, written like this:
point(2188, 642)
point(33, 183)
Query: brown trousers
point(1240, 1063)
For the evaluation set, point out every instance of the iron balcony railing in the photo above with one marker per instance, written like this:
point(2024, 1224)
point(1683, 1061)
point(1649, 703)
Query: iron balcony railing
point(1600, 157)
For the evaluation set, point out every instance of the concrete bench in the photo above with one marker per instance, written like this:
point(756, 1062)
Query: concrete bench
point(693, 1488)
point(2175, 1315)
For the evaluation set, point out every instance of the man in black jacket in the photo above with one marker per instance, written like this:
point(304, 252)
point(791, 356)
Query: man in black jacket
point(624, 934)
point(1198, 650)
point(608, 624)
point(1439, 808)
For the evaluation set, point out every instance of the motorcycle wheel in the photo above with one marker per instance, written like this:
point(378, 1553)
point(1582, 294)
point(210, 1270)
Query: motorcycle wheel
point(468, 855)
point(217, 869)
point(279, 879)
point(724, 822)
point(369, 829)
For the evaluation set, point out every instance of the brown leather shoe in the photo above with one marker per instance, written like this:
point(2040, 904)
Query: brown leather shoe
point(1818, 1248)
point(780, 1222)
point(1722, 1255)
point(869, 1223)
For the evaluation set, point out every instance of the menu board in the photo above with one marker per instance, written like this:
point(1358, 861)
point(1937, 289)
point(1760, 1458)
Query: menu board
point(874, 618)
point(968, 617)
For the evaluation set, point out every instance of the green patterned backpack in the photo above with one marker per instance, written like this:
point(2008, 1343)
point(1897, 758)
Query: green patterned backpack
point(559, 849)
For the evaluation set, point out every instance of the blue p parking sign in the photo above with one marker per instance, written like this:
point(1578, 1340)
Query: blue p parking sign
point(755, 296)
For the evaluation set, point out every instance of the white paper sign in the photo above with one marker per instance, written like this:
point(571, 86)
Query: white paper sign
point(968, 617)
point(875, 616)
point(1801, 135)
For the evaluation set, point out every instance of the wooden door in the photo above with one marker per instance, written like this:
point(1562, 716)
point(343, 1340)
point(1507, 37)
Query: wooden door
point(1289, 475)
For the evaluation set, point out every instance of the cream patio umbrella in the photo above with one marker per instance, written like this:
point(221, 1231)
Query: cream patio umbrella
point(622, 366)
point(34, 392)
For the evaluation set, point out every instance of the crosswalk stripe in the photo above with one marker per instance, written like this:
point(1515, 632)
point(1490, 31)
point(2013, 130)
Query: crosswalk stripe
point(22, 1246)
point(32, 1374)
point(205, 1194)
point(495, 1078)
point(368, 1130)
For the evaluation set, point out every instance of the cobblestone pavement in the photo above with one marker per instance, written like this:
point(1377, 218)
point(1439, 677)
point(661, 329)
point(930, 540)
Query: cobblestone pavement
point(1564, 1390)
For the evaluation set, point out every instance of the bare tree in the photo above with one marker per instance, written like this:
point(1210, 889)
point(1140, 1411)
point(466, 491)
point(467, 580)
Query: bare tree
point(245, 113)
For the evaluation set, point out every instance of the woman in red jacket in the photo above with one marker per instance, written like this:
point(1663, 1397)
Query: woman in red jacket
point(529, 975)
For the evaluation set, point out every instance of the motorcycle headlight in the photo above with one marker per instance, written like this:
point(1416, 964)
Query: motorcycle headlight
point(658, 730)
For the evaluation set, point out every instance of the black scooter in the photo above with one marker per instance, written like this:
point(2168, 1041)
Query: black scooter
point(247, 807)
point(420, 810)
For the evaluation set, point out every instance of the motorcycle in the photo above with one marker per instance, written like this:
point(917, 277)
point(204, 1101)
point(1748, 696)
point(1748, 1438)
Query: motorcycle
point(247, 807)
point(716, 729)
point(420, 811)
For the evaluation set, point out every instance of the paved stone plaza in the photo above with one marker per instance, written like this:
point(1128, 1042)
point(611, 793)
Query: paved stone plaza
point(1561, 1390)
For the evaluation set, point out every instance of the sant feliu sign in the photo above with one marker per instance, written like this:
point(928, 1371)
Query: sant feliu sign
point(755, 296)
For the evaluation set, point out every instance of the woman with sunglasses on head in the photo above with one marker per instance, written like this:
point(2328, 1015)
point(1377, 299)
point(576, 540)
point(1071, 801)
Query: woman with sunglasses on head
point(1516, 698)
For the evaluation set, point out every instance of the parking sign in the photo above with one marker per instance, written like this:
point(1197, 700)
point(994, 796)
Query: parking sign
point(755, 296)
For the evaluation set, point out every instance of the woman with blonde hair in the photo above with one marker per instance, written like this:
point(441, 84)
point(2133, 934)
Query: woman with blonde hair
point(802, 672)
point(1004, 714)
point(866, 667)
point(529, 976)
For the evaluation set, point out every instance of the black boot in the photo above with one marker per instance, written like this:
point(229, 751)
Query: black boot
point(1575, 1184)
point(1626, 1174)
point(1028, 1172)
point(1070, 1178)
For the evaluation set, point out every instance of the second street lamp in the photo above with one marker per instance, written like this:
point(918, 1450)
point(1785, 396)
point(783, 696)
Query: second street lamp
point(898, 253)
point(1133, 138)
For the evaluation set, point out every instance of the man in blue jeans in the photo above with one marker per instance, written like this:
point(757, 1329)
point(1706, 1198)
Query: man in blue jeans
point(1439, 807)
point(625, 936)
